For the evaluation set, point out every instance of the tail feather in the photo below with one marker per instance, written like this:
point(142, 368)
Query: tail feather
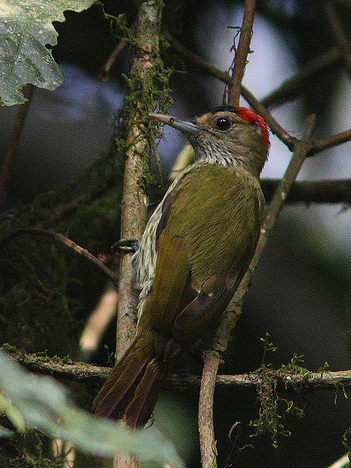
point(117, 391)
point(139, 410)
point(134, 385)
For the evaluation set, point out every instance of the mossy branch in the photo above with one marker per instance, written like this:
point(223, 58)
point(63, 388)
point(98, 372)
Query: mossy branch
point(148, 89)
point(287, 381)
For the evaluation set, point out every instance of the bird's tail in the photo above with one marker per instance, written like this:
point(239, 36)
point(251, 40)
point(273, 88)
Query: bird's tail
point(133, 387)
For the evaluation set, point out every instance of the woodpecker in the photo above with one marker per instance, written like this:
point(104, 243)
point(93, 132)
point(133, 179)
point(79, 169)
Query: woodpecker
point(194, 252)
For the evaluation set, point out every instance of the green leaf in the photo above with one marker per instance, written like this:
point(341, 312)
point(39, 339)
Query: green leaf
point(44, 404)
point(25, 29)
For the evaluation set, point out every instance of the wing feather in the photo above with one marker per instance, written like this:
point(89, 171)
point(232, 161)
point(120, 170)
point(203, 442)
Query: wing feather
point(206, 238)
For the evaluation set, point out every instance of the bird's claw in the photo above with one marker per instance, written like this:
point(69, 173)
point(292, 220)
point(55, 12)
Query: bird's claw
point(126, 246)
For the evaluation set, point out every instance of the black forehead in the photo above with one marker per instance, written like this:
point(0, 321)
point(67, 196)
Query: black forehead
point(224, 109)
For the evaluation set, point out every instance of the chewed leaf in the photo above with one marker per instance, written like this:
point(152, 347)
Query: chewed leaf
point(25, 30)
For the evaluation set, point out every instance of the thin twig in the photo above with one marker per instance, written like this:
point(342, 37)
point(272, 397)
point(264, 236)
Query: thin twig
point(106, 68)
point(338, 33)
point(275, 127)
point(291, 88)
point(197, 60)
point(68, 243)
point(14, 140)
point(287, 91)
point(234, 88)
point(258, 106)
point(301, 151)
point(330, 142)
point(234, 437)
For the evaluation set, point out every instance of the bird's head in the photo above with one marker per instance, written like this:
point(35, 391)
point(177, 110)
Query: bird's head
point(228, 135)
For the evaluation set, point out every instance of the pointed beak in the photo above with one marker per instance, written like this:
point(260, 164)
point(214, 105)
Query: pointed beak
point(186, 126)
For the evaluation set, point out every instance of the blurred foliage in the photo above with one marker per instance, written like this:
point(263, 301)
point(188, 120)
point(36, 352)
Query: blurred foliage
point(43, 404)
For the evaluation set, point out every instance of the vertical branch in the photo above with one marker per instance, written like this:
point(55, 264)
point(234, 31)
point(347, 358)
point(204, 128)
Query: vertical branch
point(234, 87)
point(133, 209)
point(134, 201)
point(14, 140)
point(205, 417)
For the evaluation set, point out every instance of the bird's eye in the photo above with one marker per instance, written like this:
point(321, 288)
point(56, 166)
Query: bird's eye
point(222, 123)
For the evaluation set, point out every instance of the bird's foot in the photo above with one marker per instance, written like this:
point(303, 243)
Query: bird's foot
point(126, 246)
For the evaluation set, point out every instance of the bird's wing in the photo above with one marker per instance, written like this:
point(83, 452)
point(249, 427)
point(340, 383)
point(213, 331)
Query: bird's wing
point(210, 225)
